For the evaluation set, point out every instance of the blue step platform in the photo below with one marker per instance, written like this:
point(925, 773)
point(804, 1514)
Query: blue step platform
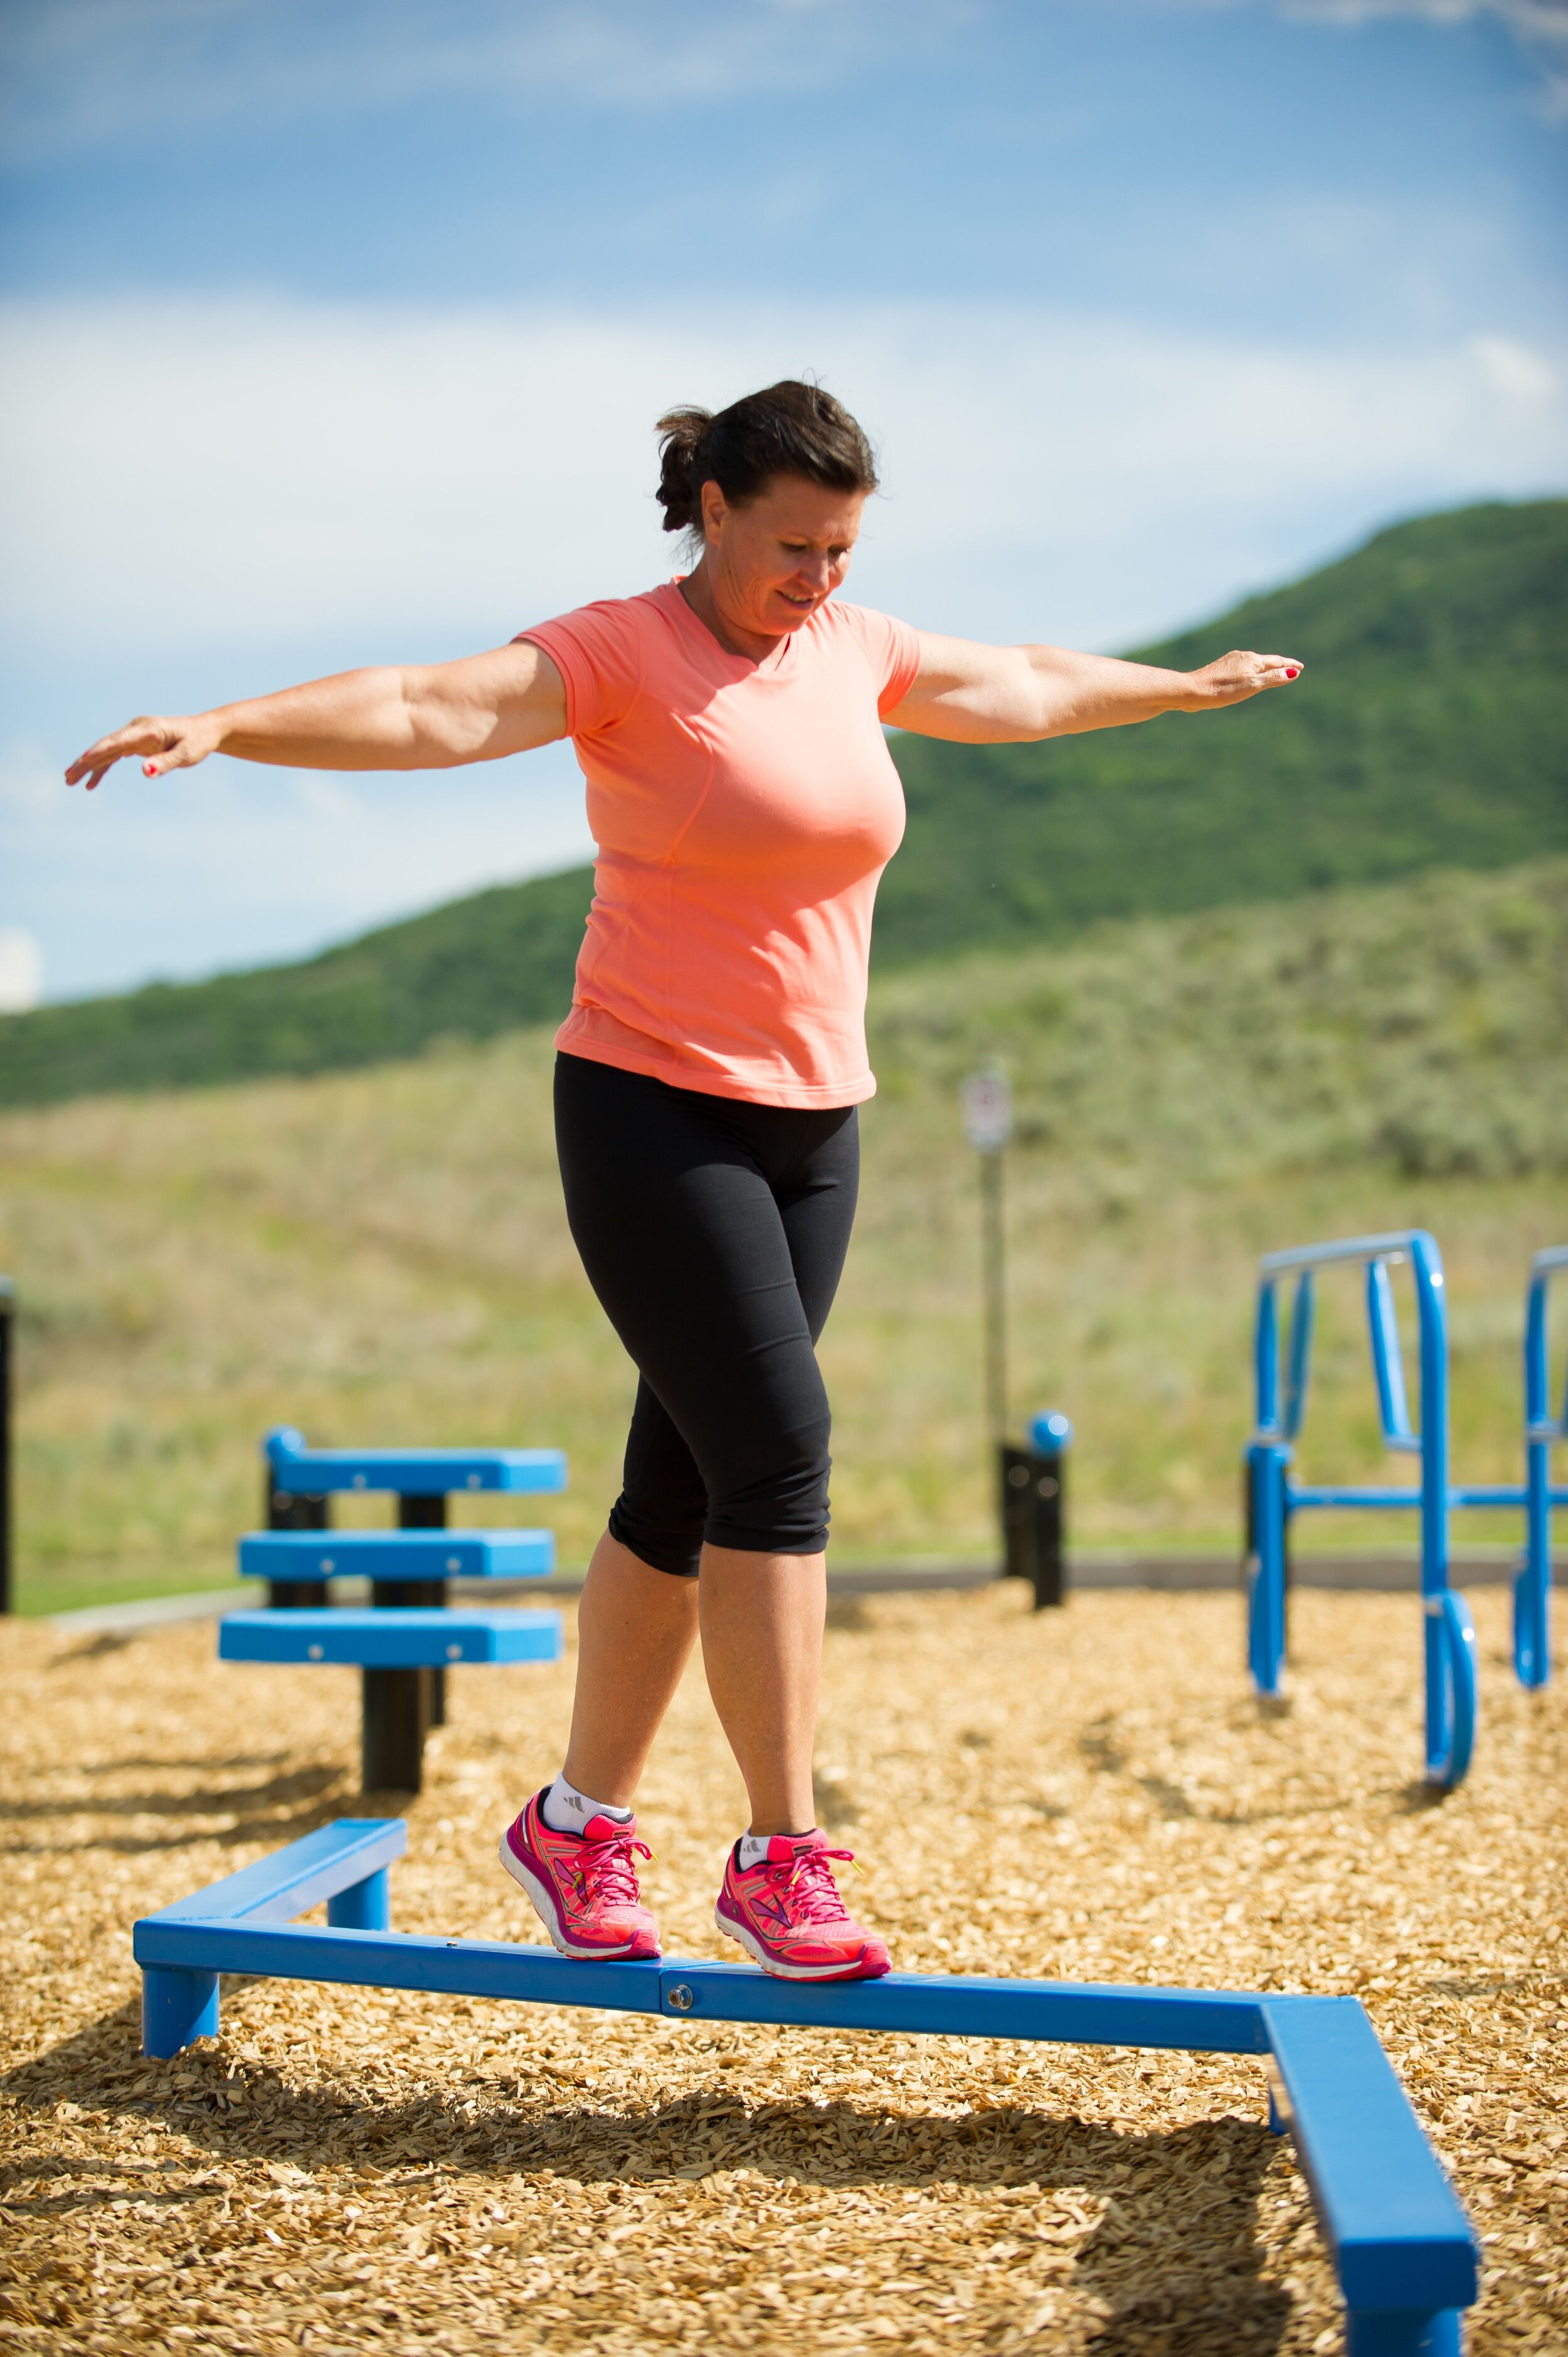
point(396, 1555)
point(390, 1637)
point(1401, 2244)
point(411, 1473)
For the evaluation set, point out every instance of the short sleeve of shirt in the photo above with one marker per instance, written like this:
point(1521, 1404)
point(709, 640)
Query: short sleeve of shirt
point(891, 649)
point(598, 651)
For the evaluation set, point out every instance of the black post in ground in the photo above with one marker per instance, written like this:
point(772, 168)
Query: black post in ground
point(1034, 1509)
point(420, 1511)
point(394, 1722)
point(287, 1510)
point(8, 1315)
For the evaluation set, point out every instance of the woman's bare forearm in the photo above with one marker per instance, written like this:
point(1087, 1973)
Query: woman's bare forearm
point(978, 694)
point(1079, 692)
point(409, 716)
point(354, 720)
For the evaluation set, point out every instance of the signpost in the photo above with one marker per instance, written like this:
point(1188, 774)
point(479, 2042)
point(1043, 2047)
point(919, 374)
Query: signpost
point(988, 1125)
point(1030, 1481)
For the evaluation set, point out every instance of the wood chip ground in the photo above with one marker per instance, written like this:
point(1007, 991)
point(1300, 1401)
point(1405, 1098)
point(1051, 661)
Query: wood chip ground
point(1085, 1794)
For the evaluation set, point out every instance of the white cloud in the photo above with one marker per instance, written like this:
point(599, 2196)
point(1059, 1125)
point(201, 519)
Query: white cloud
point(21, 970)
point(1519, 373)
point(188, 475)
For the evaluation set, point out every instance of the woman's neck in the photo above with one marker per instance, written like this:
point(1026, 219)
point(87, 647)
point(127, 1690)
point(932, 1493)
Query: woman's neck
point(697, 588)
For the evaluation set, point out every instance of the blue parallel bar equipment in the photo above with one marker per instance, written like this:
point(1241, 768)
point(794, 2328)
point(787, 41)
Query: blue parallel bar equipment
point(1401, 2246)
point(1532, 1588)
point(1449, 1636)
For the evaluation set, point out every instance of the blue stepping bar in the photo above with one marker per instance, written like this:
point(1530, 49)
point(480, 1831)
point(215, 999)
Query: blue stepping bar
point(298, 1471)
point(1402, 2248)
point(308, 1556)
point(406, 1637)
point(410, 1568)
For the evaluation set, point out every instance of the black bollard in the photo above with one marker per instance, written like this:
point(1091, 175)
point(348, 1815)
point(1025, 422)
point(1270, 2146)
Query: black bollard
point(1034, 1509)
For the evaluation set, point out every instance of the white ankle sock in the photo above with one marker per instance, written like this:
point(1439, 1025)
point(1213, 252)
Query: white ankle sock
point(567, 1811)
point(754, 1847)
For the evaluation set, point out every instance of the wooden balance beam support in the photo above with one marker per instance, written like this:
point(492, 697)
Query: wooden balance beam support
point(1401, 2246)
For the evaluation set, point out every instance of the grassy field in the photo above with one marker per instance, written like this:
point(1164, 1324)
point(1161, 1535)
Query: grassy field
point(382, 1254)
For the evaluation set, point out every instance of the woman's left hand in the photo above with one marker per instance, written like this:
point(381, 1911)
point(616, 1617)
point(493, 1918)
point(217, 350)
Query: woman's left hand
point(1234, 677)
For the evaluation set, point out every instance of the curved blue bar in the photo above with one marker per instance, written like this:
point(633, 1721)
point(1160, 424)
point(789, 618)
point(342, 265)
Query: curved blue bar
point(1449, 1665)
point(1532, 1589)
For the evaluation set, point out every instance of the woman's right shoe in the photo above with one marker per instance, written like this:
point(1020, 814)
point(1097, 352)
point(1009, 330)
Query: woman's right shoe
point(584, 1885)
point(784, 1911)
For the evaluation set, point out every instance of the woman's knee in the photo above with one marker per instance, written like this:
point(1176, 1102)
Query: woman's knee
point(778, 1506)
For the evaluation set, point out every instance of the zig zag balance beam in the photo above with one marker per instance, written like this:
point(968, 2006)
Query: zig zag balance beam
point(1402, 2246)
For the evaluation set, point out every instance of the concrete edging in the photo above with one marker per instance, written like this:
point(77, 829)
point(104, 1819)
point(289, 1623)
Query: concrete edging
point(1390, 1574)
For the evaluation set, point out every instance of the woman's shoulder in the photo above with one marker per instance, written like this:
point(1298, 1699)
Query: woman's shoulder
point(645, 611)
point(602, 652)
point(891, 648)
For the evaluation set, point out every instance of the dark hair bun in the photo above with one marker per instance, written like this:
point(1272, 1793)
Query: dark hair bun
point(790, 429)
point(680, 492)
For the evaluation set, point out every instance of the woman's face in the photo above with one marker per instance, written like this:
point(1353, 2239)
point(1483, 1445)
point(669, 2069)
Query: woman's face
point(773, 562)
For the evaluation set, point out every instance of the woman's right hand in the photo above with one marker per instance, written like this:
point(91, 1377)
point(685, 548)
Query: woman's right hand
point(173, 744)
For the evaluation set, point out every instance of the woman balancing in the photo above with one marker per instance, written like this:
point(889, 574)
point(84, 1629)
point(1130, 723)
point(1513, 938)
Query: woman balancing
point(743, 802)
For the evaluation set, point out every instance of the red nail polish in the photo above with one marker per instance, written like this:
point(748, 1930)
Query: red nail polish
point(1293, 675)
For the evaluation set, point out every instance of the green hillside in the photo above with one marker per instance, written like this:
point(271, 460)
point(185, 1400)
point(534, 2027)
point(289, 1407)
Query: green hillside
point(1430, 729)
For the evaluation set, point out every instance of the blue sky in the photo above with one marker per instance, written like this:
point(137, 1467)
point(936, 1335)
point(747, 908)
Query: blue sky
point(333, 335)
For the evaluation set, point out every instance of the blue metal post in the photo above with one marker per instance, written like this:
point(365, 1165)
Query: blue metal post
point(1532, 1589)
point(364, 1906)
point(1403, 2332)
point(1266, 1463)
point(1449, 1632)
point(177, 2005)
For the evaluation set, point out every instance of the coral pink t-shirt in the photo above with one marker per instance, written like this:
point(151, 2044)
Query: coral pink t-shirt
point(743, 812)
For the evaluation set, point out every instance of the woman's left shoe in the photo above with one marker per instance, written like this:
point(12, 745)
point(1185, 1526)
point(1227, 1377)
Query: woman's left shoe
point(786, 1911)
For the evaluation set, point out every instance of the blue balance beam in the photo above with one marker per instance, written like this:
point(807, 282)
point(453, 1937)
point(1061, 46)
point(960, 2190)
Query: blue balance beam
point(1401, 2244)
point(396, 1555)
point(411, 1473)
point(393, 1636)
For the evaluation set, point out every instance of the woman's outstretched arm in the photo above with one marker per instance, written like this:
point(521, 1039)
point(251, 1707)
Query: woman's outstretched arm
point(409, 716)
point(1007, 695)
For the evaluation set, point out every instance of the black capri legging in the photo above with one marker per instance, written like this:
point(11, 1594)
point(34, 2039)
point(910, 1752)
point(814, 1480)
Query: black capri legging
point(713, 1233)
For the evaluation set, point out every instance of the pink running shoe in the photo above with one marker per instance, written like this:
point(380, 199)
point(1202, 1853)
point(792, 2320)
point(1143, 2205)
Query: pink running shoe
point(583, 1885)
point(786, 1911)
